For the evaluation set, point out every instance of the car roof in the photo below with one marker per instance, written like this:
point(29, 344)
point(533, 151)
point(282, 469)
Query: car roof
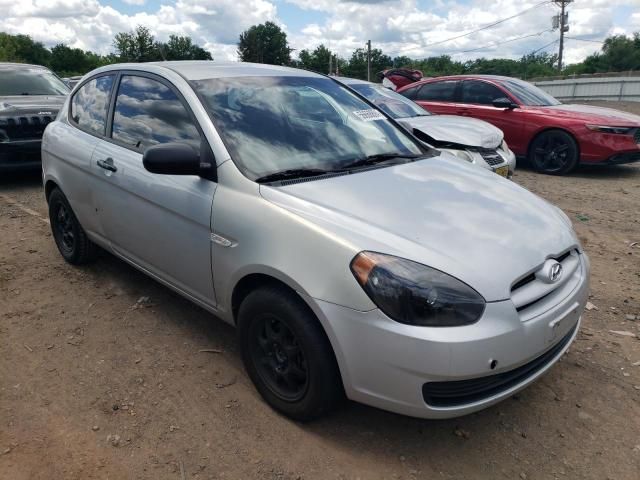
point(205, 69)
point(20, 66)
point(495, 78)
point(352, 81)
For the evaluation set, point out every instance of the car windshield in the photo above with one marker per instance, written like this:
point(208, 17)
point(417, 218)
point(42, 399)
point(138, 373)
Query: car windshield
point(31, 81)
point(529, 94)
point(392, 103)
point(277, 124)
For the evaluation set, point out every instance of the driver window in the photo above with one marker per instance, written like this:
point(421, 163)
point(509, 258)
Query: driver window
point(482, 93)
point(148, 112)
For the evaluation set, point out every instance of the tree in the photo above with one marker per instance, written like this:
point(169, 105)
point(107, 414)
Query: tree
point(22, 48)
point(318, 60)
point(264, 43)
point(67, 61)
point(182, 48)
point(137, 46)
point(357, 66)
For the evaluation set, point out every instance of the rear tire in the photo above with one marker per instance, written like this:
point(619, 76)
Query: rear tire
point(71, 240)
point(287, 354)
point(554, 152)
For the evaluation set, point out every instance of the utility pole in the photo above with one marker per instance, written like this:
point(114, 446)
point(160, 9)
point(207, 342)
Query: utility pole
point(563, 21)
point(368, 60)
point(330, 62)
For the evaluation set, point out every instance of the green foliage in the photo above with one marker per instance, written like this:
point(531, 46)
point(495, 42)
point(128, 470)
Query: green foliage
point(22, 49)
point(357, 65)
point(136, 46)
point(183, 48)
point(318, 60)
point(264, 43)
point(67, 61)
point(619, 53)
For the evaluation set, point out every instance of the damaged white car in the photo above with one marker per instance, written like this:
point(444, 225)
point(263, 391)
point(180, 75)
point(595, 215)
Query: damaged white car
point(475, 141)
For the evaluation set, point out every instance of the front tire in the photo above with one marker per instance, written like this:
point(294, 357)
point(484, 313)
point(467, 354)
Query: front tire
point(71, 240)
point(287, 354)
point(554, 152)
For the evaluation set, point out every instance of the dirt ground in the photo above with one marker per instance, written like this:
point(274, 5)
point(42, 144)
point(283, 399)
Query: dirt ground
point(102, 374)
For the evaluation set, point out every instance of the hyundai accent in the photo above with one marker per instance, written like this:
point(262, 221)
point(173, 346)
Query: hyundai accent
point(353, 260)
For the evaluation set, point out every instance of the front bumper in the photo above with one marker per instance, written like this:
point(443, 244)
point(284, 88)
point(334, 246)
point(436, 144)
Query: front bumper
point(390, 365)
point(623, 158)
point(20, 155)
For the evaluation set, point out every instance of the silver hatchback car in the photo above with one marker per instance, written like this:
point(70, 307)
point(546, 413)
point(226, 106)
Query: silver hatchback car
point(352, 259)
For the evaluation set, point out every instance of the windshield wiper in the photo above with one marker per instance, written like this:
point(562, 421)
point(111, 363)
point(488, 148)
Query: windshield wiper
point(378, 158)
point(291, 173)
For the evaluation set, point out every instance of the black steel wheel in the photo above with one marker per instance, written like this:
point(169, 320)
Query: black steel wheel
point(71, 240)
point(287, 353)
point(554, 152)
point(278, 358)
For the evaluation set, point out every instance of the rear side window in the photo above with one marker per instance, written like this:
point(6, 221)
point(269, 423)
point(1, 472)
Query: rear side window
point(410, 92)
point(147, 112)
point(90, 103)
point(437, 91)
point(483, 93)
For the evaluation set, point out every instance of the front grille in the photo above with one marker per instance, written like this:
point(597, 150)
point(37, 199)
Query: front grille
point(23, 127)
point(462, 392)
point(491, 156)
point(532, 295)
point(532, 276)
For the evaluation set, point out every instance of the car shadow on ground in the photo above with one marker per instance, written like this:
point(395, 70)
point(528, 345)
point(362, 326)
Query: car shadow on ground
point(594, 172)
point(353, 424)
point(27, 178)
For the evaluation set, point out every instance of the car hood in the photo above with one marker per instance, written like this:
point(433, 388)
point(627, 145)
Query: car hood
point(442, 212)
point(592, 114)
point(31, 104)
point(463, 131)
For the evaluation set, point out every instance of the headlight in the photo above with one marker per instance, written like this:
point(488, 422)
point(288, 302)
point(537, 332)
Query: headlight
point(412, 293)
point(504, 146)
point(608, 129)
point(463, 154)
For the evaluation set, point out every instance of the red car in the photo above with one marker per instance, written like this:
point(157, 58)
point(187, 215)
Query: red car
point(554, 137)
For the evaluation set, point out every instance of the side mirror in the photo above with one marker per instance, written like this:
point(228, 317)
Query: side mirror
point(504, 102)
point(173, 159)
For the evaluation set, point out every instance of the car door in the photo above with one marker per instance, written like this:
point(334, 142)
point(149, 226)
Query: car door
point(87, 120)
point(476, 100)
point(437, 97)
point(159, 222)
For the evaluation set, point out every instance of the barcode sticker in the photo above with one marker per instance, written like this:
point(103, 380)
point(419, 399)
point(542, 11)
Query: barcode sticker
point(369, 115)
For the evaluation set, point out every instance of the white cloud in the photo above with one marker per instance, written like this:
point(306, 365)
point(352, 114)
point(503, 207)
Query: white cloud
point(398, 27)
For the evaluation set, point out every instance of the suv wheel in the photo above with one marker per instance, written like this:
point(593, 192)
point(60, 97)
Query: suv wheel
point(554, 152)
point(287, 354)
point(72, 241)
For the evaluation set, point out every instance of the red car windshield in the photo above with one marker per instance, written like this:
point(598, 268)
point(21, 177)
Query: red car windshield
point(528, 94)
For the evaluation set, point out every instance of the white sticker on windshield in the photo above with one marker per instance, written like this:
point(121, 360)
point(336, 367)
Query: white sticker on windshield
point(369, 115)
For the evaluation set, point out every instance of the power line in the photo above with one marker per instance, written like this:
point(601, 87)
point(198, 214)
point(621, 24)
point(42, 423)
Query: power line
point(545, 46)
point(487, 26)
point(585, 40)
point(500, 43)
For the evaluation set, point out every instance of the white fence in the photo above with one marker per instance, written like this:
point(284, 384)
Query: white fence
point(599, 88)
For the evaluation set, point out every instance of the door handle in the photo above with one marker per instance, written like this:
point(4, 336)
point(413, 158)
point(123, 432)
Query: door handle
point(107, 164)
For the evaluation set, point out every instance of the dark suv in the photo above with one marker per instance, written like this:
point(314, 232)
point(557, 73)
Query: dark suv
point(30, 97)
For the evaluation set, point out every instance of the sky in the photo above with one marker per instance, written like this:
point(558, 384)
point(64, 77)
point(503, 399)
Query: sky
point(416, 28)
